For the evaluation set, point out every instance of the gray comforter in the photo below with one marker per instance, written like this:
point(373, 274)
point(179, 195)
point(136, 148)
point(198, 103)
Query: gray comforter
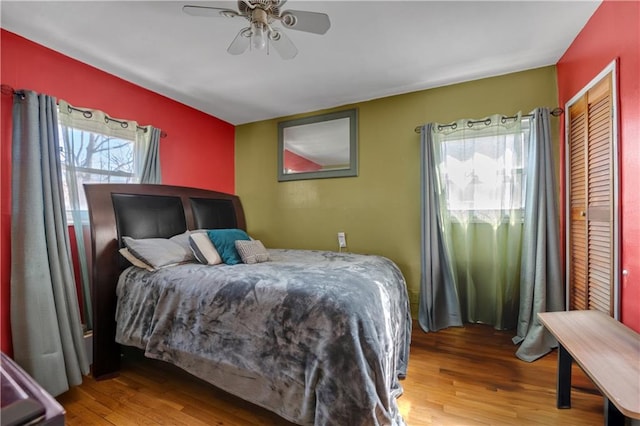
point(317, 337)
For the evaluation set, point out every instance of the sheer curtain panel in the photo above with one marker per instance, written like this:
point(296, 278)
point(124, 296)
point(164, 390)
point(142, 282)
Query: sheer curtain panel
point(45, 317)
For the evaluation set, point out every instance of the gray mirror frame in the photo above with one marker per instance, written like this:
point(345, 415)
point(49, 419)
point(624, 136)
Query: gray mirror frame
point(352, 114)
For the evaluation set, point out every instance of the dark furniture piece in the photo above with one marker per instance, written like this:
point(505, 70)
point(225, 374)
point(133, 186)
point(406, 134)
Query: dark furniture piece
point(113, 207)
point(317, 337)
point(24, 402)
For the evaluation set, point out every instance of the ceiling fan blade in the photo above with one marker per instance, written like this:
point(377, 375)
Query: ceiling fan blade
point(209, 12)
point(240, 44)
point(301, 20)
point(283, 45)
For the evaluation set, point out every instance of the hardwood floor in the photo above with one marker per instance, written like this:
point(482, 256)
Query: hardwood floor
point(460, 376)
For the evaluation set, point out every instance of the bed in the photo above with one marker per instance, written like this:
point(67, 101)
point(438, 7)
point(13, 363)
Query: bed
point(317, 337)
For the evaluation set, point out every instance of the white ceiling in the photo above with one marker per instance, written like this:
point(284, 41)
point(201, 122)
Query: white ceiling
point(373, 48)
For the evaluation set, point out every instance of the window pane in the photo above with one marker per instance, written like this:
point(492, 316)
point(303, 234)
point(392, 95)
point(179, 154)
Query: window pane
point(485, 175)
point(96, 151)
point(82, 178)
point(89, 157)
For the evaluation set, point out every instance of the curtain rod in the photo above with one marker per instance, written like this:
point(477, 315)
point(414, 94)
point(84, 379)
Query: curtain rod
point(555, 112)
point(8, 90)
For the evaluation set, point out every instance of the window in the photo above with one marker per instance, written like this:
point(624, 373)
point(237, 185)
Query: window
point(96, 149)
point(483, 174)
point(94, 158)
point(98, 157)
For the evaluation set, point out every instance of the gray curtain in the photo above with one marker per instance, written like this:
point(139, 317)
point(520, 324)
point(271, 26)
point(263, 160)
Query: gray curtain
point(45, 318)
point(439, 305)
point(151, 172)
point(541, 280)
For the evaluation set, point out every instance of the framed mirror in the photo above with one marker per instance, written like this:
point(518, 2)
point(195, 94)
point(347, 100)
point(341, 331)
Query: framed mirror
point(320, 146)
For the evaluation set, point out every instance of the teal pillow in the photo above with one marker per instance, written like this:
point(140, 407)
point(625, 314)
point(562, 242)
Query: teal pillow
point(225, 242)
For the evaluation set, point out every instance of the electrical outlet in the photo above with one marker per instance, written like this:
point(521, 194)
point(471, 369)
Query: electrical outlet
point(342, 240)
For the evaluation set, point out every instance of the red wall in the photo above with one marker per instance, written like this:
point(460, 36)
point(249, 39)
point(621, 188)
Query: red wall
point(614, 32)
point(198, 151)
point(297, 163)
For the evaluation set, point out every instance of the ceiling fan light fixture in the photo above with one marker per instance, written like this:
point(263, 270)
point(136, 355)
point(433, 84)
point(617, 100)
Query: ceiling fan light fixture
point(259, 20)
point(258, 37)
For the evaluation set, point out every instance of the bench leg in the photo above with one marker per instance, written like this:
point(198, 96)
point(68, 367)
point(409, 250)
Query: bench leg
point(612, 416)
point(564, 378)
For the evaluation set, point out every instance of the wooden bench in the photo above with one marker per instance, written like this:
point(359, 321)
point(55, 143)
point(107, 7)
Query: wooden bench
point(607, 351)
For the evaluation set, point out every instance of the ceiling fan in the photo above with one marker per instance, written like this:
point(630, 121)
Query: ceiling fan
point(260, 33)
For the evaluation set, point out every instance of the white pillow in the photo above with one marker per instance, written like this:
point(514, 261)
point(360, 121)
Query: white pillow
point(252, 251)
point(203, 249)
point(134, 260)
point(159, 252)
point(183, 240)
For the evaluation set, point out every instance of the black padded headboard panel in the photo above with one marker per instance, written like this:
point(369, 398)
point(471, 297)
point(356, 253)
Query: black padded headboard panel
point(213, 214)
point(148, 216)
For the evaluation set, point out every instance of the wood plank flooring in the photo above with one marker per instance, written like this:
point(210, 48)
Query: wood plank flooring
point(461, 376)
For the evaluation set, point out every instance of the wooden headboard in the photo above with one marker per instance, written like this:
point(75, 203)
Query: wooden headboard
point(140, 211)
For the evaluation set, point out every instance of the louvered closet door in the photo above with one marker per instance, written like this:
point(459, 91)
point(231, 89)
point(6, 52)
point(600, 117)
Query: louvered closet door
point(591, 200)
point(578, 202)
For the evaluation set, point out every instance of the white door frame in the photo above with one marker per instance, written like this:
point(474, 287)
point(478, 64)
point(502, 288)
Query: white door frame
point(612, 69)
